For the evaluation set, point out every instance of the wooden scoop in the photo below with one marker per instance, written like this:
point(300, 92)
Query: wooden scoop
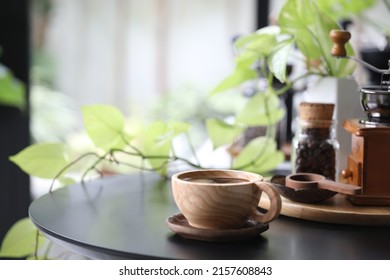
point(301, 181)
point(304, 187)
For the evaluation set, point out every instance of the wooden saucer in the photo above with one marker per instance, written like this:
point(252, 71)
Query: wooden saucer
point(179, 224)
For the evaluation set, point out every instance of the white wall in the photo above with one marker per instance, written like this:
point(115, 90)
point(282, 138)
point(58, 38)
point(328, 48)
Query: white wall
point(125, 52)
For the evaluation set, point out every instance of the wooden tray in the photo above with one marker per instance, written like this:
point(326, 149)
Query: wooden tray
point(337, 210)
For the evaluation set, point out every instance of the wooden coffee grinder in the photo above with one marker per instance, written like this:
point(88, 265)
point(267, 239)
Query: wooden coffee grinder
point(369, 162)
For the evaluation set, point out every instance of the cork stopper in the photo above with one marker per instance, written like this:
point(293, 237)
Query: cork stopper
point(316, 114)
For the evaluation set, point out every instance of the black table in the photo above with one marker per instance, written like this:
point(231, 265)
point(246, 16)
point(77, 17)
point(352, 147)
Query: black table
point(123, 217)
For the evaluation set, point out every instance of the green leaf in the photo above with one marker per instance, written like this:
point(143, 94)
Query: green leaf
point(277, 61)
point(258, 44)
point(20, 240)
point(297, 18)
point(43, 160)
point(246, 59)
point(12, 90)
point(239, 76)
point(295, 14)
point(222, 133)
point(261, 110)
point(105, 126)
point(250, 49)
point(178, 127)
point(173, 129)
point(336, 67)
point(342, 9)
point(311, 27)
point(259, 155)
point(157, 145)
point(307, 45)
point(245, 40)
point(67, 181)
point(274, 30)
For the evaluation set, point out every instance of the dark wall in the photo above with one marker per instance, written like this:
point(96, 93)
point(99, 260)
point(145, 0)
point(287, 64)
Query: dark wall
point(14, 124)
point(262, 13)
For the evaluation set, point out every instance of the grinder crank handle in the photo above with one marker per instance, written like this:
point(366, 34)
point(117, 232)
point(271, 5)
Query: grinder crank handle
point(340, 38)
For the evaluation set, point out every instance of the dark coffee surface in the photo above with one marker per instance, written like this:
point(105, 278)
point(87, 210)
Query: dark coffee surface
point(216, 180)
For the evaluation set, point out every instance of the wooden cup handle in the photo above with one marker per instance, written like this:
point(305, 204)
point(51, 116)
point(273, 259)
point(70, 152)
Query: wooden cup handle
point(339, 38)
point(275, 203)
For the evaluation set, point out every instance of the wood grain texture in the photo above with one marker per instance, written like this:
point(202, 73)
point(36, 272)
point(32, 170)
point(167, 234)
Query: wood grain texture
point(339, 38)
point(302, 181)
point(336, 210)
point(250, 229)
point(221, 205)
point(275, 201)
point(367, 164)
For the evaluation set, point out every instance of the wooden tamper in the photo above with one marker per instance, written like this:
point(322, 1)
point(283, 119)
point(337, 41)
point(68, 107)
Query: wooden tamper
point(339, 38)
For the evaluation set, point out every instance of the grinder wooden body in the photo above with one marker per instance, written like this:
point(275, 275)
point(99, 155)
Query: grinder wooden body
point(368, 163)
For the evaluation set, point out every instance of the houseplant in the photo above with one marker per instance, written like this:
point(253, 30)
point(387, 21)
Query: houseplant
point(375, 48)
point(302, 38)
point(264, 53)
point(301, 24)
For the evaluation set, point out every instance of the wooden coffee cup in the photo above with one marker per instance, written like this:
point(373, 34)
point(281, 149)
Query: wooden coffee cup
point(223, 199)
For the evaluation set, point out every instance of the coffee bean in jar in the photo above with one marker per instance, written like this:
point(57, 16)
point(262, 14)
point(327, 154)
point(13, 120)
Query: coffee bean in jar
point(314, 144)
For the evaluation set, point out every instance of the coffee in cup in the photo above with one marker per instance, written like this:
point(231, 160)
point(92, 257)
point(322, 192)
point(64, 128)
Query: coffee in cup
point(223, 199)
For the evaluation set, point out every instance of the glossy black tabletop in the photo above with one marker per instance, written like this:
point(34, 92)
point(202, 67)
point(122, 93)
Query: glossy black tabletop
point(123, 217)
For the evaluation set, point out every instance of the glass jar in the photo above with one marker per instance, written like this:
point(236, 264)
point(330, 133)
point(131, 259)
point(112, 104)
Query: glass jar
point(315, 148)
